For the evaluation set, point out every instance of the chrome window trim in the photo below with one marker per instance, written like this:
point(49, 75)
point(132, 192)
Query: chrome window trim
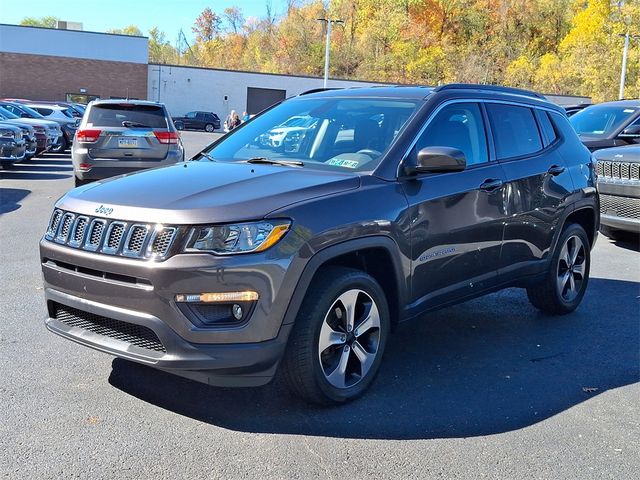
point(464, 100)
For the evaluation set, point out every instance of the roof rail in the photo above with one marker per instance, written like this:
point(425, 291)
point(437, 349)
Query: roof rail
point(316, 90)
point(490, 88)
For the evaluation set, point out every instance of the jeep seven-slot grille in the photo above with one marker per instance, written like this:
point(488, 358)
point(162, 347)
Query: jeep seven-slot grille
point(131, 333)
point(111, 237)
point(619, 170)
point(620, 206)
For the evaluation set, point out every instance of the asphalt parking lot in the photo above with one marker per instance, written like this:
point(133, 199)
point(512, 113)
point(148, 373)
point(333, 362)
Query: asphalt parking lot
point(487, 389)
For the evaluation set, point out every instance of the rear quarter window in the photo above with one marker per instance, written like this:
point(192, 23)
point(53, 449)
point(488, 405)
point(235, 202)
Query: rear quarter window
point(514, 129)
point(112, 115)
point(547, 127)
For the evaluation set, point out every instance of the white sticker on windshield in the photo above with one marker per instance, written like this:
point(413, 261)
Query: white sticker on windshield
point(598, 132)
point(343, 163)
point(628, 110)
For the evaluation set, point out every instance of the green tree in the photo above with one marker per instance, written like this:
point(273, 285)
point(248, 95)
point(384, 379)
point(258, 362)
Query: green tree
point(128, 30)
point(48, 22)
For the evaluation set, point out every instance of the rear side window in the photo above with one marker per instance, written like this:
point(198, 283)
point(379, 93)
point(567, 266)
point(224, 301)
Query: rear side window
point(515, 132)
point(460, 126)
point(113, 115)
point(547, 127)
point(44, 111)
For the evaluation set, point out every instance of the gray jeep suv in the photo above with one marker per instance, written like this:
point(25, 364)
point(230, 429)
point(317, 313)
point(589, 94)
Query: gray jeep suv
point(122, 136)
point(397, 201)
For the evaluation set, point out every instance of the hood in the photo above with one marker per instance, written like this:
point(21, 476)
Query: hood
point(18, 123)
point(36, 121)
point(205, 192)
point(628, 154)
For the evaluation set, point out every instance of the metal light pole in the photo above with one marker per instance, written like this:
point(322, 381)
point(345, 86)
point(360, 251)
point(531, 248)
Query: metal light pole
point(625, 54)
point(623, 74)
point(328, 21)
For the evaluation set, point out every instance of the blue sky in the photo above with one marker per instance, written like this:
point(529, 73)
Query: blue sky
point(100, 15)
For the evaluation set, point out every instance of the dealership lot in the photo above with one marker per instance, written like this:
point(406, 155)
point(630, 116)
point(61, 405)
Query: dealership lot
point(490, 388)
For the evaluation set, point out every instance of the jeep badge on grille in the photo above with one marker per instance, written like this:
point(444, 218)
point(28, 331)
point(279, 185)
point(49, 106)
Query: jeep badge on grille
point(104, 210)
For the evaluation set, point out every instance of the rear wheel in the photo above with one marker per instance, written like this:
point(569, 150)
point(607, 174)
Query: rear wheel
point(563, 288)
point(209, 128)
point(341, 330)
point(78, 182)
point(62, 146)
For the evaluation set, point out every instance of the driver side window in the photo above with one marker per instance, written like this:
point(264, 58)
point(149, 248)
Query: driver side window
point(459, 125)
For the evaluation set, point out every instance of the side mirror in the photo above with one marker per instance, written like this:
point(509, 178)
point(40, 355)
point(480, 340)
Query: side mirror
point(439, 159)
point(631, 132)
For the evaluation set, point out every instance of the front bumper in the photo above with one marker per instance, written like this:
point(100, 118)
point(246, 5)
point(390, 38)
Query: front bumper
point(12, 151)
point(234, 365)
point(246, 354)
point(102, 168)
point(620, 223)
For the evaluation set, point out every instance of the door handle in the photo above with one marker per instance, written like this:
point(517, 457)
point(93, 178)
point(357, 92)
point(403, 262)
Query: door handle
point(556, 170)
point(491, 184)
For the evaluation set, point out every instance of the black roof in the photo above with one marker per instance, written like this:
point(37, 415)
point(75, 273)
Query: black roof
point(420, 93)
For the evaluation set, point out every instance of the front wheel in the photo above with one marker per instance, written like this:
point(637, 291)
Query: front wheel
point(337, 342)
point(179, 126)
point(563, 288)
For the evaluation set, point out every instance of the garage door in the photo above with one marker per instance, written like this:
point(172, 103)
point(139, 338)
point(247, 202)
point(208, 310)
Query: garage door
point(260, 98)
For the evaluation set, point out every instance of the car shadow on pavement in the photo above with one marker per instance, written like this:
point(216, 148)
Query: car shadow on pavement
point(483, 367)
point(10, 199)
point(628, 241)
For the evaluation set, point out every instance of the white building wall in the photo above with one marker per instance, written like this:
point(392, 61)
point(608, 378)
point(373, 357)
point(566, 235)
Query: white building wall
point(73, 44)
point(184, 89)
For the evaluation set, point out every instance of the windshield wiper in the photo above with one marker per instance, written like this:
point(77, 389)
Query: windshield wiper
point(269, 161)
point(207, 156)
point(129, 123)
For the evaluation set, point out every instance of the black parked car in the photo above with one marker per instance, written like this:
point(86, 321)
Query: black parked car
point(610, 124)
point(207, 121)
point(397, 201)
point(619, 186)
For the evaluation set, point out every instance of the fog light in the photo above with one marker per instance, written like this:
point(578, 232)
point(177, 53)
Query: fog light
point(237, 311)
point(222, 297)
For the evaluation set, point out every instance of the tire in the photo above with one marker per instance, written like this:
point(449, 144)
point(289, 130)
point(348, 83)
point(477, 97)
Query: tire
point(209, 128)
point(78, 183)
point(612, 233)
point(179, 126)
point(569, 268)
point(314, 373)
point(62, 147)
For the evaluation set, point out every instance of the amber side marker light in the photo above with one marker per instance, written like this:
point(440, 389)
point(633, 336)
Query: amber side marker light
point(222, 297)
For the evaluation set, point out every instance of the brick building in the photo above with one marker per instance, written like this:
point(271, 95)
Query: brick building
point(52, 64)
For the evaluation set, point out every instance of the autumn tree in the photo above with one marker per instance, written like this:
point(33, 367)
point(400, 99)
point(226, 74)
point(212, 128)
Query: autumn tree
point(207, 25)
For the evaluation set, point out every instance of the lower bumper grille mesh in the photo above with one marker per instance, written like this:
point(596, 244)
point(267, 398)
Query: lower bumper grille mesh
point(620, 206)
point(137, 335)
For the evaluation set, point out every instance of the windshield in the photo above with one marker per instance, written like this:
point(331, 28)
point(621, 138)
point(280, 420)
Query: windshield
point(600, 120)
point(333, 133)
point(15, 108)
point(7, 114)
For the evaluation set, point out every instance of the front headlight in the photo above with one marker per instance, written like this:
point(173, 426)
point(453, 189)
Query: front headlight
point(237, 238)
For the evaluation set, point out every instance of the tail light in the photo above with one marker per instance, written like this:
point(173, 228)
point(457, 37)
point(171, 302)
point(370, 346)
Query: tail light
point(88, 135)
point(166, 137)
